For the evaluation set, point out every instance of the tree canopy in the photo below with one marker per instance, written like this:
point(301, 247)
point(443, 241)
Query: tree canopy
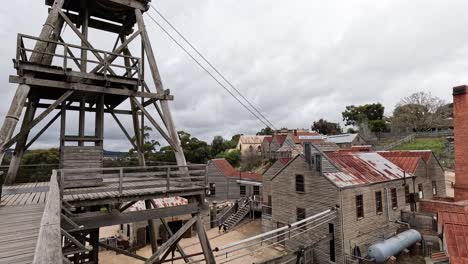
point(354, 115)
point(324, 127)
point(267, 131)
point(420, 112)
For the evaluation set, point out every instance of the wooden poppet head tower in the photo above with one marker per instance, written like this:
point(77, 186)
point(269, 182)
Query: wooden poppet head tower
point(56, 77)
point(53, 74)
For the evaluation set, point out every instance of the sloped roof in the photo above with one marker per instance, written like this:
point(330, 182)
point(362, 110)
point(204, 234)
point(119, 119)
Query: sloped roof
point(358, 168)
point(456, 236)
point(321, 145)
point(269, 139)
point(160, 203)
point(407, 160)
point(226, 168)
point(284, 161)
point(251, 139)
point(423, 154)
point(445, 217)
point(280, 138)
point(342, 138)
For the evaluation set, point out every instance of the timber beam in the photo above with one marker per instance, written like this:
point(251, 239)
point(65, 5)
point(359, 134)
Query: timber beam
point(101, 25)
point(88, 88)
point(99, 219)
point(123, 252)
point(88, 109)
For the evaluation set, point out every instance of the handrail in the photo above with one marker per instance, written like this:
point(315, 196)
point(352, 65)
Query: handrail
point(49, 242)
point(132, 168)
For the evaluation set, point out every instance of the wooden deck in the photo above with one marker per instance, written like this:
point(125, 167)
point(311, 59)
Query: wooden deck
point(21, 210)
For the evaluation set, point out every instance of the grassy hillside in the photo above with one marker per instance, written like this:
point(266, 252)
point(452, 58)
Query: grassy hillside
point(437, 145)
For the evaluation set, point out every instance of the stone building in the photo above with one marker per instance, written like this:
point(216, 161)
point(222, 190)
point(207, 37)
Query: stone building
point(368, 191)
point(250, 145)
point(227, 183)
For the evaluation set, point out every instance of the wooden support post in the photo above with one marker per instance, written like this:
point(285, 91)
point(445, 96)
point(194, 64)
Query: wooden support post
point(43, 130)
point(152, 229)
point(136, 128)
point(94, 241)
point(99, 126)
point(204, 242)
point(155, 258)
point(63, 123)
point(179, 248)
point(84, 30)
point(20, 147)
point(122, 127)
point(159, 87)
point(81, 121)
point(49, 32)
point(123, 252)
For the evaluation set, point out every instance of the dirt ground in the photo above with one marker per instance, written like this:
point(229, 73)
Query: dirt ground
point(217, 239)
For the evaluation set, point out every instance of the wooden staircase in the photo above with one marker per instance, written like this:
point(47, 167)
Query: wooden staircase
point(242, 211)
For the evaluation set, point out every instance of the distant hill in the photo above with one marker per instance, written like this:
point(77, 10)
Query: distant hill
point(115, 154)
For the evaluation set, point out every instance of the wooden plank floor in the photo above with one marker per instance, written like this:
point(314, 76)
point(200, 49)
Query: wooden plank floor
point(19, 230)
point(24, 194)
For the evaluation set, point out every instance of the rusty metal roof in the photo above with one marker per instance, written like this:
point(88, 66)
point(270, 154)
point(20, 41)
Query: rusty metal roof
point(407, 160)
point(229, 171)
point(456, 237)
point(357, 168)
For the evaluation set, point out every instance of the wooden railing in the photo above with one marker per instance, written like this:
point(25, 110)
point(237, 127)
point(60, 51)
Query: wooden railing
point(49, 242)
point(165, 178)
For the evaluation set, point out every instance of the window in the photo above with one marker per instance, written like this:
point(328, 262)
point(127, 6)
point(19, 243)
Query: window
point(331, 230)
point(300, 183)
point(378, 202)
point(242, 190)
point(359, 206)
point(318, 163)
point(407, 195)
point(300, 215)
point(256, 190)
point(212, 189)
point(393, 193)
point(420, 191)
point(434, 188)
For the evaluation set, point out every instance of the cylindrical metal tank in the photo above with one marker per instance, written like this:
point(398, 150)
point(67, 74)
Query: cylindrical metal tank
point(381, 251)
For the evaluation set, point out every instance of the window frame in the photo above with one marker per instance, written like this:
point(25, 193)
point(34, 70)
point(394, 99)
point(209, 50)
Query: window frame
point(359, 206)
point(298, 184)
point(420, 191)
point(212, 189)
point(378, 202)
point(301, 214)
point(256, 190)
point(407, 194)
point(242, 189)
point(394, 198)
point(434, 188)
point(318, 163)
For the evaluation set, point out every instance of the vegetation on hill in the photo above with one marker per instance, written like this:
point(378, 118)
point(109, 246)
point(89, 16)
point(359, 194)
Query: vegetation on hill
point(437, 145)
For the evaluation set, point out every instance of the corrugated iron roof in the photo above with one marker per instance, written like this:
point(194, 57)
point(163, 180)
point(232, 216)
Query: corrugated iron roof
point(280, 138)
point(301, 137)
point(407, 160)
point(269, 139)
point(358, 168)
point(229, 171)
point(160, 203)
point(342, 138)
point(456, 237)
point(445, 217)
point(284, 161)
point(423, 154)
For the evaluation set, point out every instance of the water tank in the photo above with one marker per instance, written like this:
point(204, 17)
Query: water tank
point(381, 251)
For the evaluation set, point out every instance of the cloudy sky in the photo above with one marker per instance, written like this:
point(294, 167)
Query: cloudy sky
point(296, 60)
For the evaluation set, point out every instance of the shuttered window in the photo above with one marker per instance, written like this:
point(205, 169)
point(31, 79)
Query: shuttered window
point(256, 190)
point(359, 206)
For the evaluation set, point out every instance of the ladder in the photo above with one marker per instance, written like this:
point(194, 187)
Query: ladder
point(242, 211)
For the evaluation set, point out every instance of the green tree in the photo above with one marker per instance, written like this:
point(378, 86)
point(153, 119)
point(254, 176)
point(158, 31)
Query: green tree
point(324, 127)
point(195, 150)
point(233, 156)
point(265, 132)
point(218, 145)
point(355, 115)
point(231, 144)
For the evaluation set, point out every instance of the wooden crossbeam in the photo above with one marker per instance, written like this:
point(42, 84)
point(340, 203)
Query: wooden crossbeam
point(87, 88)
point(125, 207)
point(155, 124)
point(73, 57)
point(37, 119)
point(171, 241)
point(83, 39)
point(95, 220)
point(88, 109)
point(118, 50)
point(122, 127)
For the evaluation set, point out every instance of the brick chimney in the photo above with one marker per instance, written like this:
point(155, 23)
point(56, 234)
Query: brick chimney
point(460, 120)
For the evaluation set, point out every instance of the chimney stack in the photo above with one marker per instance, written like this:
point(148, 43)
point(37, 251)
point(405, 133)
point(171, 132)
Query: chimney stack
point(460, 120)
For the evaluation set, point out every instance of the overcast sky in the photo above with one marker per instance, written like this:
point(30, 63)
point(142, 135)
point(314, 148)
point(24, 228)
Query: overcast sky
point(297, 61)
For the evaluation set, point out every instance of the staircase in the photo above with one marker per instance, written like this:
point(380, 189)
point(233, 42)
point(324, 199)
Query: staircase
point(242, 211)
